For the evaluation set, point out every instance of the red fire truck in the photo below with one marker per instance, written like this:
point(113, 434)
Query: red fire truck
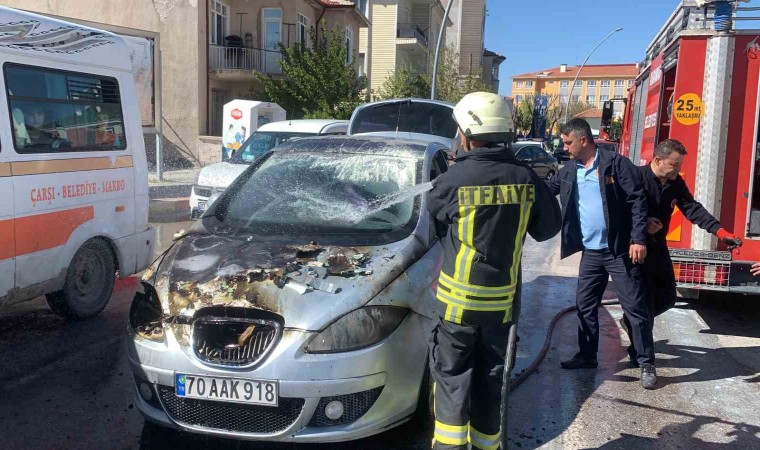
point(699, 84)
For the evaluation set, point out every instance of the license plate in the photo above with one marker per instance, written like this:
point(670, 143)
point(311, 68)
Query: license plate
point(234, 390)
point(201, 206)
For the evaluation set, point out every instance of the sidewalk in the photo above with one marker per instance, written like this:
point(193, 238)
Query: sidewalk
point(170, 198)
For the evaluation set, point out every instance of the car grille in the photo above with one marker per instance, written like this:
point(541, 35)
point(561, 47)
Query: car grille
point(236, 342)
point(354, 407)
point(232, 417)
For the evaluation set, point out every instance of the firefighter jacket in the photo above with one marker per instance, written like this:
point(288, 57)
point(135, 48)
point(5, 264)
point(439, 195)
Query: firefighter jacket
point(489, 200)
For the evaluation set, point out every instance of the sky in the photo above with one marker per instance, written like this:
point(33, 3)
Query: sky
point(540, 34)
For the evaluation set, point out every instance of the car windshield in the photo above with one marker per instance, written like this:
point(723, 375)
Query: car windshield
point(261, 142)
point(323, 194)
point(408, 117)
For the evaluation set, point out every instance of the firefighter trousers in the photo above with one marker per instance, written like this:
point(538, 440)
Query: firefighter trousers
point(467, 364)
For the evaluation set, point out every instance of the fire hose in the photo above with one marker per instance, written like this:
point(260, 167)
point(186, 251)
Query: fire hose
point(509, 383)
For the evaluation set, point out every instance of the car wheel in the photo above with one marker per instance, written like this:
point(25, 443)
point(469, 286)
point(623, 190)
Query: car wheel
point(550, 175)
point(89, 282)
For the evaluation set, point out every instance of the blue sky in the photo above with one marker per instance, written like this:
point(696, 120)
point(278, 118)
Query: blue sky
point(539, 34)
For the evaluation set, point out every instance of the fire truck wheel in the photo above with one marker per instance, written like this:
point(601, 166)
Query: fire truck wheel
point(89, 282)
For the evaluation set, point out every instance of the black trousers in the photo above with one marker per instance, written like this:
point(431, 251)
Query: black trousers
point(596, 267)
point(467, 364)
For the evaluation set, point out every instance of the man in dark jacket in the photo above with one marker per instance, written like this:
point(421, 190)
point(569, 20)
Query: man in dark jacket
point(489, 201)
point(665, 189)
point(604, 216)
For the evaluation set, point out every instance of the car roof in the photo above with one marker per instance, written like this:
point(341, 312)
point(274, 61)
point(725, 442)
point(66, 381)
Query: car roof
point(373, 145)
point(313, 126)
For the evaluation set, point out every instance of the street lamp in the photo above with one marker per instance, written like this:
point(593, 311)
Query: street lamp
point(572, 88)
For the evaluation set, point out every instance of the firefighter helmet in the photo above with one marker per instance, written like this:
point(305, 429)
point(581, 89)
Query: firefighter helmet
point(485, 117)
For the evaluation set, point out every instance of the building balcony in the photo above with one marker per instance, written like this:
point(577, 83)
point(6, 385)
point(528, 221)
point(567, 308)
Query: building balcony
point(239, 63)
point(411, 35)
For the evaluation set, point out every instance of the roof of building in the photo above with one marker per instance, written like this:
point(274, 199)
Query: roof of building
point(589, 71)
point(592, 113)
point(337, 3)
point(487, 52)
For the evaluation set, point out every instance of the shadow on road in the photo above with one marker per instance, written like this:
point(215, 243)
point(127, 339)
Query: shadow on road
point(684, 434)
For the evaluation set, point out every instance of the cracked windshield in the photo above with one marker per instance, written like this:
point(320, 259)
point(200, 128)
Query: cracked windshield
point(324, 193)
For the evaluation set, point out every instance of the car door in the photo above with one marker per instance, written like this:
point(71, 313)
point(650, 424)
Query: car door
point(7, 232)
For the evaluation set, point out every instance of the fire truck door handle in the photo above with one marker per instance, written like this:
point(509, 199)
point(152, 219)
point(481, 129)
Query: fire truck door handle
point(746, 195)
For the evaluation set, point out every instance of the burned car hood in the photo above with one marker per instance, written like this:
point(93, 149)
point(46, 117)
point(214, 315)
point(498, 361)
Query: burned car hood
point(310, 286)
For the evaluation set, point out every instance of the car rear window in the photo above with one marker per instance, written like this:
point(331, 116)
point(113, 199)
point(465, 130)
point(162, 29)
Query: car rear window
point(409, 117)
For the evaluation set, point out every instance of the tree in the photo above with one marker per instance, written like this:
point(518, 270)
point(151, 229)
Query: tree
point(405, 83)
point(451, 87)
point(616, 129)
point(317, 82)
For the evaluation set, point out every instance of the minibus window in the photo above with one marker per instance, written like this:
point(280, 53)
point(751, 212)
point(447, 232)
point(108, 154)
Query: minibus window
point(55, 111)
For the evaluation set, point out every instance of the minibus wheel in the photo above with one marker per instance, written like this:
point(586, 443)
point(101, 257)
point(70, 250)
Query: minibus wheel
point(89, 282)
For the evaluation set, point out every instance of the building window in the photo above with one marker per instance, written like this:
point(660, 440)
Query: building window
point(518, 98)
point(564, 83)
point(591, 100)
point(630, 83)
point(520, 84)
point(220, 22)
point(55, 111)
point(529, 84)
point(605, 84)
point(604, 98)
point(591, 84)
point(576, 98)
point(578, 83)
point(361, 62)
point(563, 99)
point(361, 5)
point(303, 30)
point(349, 44)
point(619, 83)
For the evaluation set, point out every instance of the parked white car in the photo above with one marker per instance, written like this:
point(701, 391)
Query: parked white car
point(217, 177)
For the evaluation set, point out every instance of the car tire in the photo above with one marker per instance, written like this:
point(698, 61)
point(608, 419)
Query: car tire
point(550, 175)
point(89, 282)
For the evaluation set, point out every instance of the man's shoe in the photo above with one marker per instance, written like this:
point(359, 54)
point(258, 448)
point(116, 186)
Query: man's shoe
point(579, 362)
point(648, 376)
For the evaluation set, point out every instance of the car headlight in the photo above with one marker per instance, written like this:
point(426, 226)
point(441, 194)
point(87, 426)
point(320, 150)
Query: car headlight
point(146, 315)
point(358, 329)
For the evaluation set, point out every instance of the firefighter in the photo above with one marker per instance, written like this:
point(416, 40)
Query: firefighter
point(604, 216)
point(665, 189)
point(488, 200)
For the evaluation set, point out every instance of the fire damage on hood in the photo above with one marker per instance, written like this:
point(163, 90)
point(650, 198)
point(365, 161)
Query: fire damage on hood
point(219, 271)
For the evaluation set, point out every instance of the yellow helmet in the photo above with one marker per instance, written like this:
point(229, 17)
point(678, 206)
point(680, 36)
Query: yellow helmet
point(485, 117)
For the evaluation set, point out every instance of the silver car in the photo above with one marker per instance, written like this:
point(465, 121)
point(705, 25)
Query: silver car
point(298, 307)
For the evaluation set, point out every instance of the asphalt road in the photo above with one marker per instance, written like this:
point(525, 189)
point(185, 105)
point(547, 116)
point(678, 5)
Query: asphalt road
point(68, 385)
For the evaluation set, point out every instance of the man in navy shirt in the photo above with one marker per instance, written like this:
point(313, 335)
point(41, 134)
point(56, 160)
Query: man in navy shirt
point(665, 189)
point(604, 216)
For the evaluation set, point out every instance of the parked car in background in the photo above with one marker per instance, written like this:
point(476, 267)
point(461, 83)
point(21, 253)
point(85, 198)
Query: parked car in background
point(297, 308)
point(216, 177)
point(607, 145)
point(534, 155)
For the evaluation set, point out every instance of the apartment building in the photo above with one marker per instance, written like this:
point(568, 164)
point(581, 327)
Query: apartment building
point(403, 34)
point(595, 85)
point(491, 69)
point(202, 53)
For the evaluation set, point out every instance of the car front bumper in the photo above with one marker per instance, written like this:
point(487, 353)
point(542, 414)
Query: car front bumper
point(395, 367)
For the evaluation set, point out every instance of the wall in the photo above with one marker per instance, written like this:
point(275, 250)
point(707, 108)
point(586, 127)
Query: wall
point(471, 32)
point(383, 55)
point(176, 22)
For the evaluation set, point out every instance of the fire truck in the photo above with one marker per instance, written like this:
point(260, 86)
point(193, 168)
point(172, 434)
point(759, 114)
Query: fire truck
point(699, 83)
